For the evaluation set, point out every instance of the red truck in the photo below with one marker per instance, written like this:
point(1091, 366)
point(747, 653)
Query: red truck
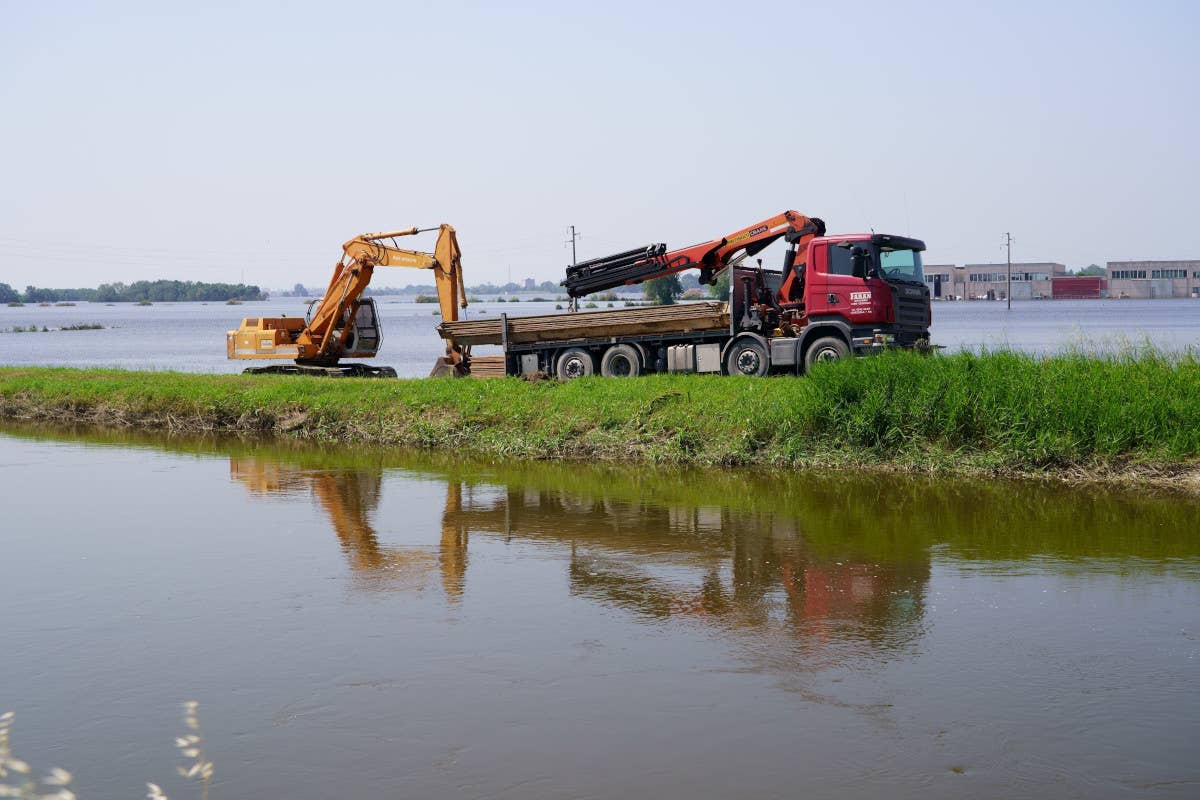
point(832, 297)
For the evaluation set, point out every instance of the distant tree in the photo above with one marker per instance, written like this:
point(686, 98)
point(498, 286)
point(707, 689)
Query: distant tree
point(1093, 270)
point(299, 291)
point(720, 289)
point(149, 291)
point(8, 294)
point(35, 295)
point(662, 290)
point(109, 292)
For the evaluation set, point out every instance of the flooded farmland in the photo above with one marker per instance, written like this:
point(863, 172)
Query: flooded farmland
point(382, 624)
point(190, 337)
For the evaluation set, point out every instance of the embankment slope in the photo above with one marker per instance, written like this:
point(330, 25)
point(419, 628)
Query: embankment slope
point(1118, 418)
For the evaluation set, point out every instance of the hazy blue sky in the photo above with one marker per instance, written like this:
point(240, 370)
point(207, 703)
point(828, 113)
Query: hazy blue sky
point(212, 140)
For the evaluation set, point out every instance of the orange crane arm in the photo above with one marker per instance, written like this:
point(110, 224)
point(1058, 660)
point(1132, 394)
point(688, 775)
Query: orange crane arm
point(712, 257)
point(643, 264)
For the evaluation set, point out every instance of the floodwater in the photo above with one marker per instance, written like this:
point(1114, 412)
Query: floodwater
point(191, 336)
point(360, 624)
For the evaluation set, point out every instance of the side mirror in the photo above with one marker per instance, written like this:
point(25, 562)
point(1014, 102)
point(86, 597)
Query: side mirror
point(858, 262)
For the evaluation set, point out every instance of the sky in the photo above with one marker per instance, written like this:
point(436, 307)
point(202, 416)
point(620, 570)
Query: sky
point(246, 141)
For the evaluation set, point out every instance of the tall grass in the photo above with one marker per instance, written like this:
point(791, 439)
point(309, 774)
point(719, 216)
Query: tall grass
point(996, 411)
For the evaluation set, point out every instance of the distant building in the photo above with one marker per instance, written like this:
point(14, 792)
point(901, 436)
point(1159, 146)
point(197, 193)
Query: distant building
point(940, 278)
point(1031, 280)
point(530, 284)
point(1079, 287)
point(1151, 280)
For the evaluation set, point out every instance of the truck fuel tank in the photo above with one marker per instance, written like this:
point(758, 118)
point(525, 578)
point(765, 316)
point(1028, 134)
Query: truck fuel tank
point(694, 358)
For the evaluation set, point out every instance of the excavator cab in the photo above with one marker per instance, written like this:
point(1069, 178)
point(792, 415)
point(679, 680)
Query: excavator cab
point(364, 336)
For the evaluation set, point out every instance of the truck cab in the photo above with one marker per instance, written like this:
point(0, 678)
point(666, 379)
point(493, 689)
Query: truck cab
point(850, 295)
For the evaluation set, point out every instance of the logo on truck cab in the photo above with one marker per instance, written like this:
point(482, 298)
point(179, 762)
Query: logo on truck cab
point(860, 297)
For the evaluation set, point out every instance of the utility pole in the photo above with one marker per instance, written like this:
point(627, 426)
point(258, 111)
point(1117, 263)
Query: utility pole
point(574, 236)
point(573, 303)
point(1008, 291)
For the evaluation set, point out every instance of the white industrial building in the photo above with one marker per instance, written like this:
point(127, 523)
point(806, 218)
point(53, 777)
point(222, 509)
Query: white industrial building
point(1153, 279)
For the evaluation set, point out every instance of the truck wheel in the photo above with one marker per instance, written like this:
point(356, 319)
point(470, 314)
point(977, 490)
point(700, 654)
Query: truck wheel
point(827, 348)
point(620, 361)
point(574, 363)
point(747, 357)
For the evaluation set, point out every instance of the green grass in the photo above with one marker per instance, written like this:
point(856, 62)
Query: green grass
point(1000, 413)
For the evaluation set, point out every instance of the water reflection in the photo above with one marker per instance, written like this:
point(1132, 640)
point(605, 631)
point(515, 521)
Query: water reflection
point(742, 572)
point(841, 558)
point(459, 623)
point(349, 498)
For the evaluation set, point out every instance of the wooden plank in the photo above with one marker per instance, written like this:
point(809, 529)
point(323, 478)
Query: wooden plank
point(487, 367)
point(590, 324)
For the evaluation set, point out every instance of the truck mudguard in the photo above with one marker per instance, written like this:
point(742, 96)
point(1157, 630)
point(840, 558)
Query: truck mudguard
point(823, 326)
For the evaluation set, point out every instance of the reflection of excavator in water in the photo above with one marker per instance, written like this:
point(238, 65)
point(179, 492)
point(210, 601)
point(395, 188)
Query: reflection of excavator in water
point(343, 323)
point(348, 497)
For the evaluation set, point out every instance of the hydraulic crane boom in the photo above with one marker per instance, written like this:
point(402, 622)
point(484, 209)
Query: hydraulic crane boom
point(344, 324)
point(654, 261)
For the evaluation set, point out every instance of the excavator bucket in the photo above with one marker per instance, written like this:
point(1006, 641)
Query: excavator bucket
point(445, 368)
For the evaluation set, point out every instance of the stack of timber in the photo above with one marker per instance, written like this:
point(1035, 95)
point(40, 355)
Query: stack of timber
point(590, 324)
point(487, 367)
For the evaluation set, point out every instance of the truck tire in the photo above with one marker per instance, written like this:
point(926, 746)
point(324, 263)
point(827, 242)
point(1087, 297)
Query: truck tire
point(620, 361)
point(574, 363)
point(747, 357)
point(827, 348)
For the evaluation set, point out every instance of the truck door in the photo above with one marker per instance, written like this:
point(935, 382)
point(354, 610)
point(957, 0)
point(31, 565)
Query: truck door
point(839, 292)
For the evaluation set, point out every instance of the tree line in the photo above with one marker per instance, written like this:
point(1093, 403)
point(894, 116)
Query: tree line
point(154, 291)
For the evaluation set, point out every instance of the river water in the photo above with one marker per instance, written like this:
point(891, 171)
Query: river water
point(362, 624)
point(191, 336)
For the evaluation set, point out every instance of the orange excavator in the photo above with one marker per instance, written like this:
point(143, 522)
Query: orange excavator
point(344, 324)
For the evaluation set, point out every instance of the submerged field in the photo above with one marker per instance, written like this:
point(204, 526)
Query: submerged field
point(1131, 416)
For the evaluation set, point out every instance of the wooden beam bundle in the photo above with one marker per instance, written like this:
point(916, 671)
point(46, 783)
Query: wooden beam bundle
point(710, 315)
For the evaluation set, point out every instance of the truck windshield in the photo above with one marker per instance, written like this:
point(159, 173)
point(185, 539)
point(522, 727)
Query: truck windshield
point(904, 265)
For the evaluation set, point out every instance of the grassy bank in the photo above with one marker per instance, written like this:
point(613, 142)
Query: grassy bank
point(999, 413)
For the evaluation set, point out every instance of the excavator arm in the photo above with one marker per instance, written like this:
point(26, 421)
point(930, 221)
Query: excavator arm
point(654, 261)
point(445, 261)
point(352, 274)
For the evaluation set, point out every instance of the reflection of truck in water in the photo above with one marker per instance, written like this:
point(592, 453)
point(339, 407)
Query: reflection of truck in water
point(833, 296)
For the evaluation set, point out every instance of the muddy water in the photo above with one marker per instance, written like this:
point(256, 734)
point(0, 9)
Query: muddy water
point(379, 625)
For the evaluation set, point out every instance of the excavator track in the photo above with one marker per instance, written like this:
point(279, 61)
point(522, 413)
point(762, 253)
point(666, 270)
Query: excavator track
point(338, 371)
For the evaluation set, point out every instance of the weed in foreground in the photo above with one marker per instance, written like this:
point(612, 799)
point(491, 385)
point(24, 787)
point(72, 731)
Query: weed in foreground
point(17, 779)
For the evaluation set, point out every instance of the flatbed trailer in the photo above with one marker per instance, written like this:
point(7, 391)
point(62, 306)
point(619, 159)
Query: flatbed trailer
point(615, 343)
point(587, 325)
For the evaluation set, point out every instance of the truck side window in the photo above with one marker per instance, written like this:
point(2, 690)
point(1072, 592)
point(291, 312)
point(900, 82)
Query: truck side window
point(839, 261)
